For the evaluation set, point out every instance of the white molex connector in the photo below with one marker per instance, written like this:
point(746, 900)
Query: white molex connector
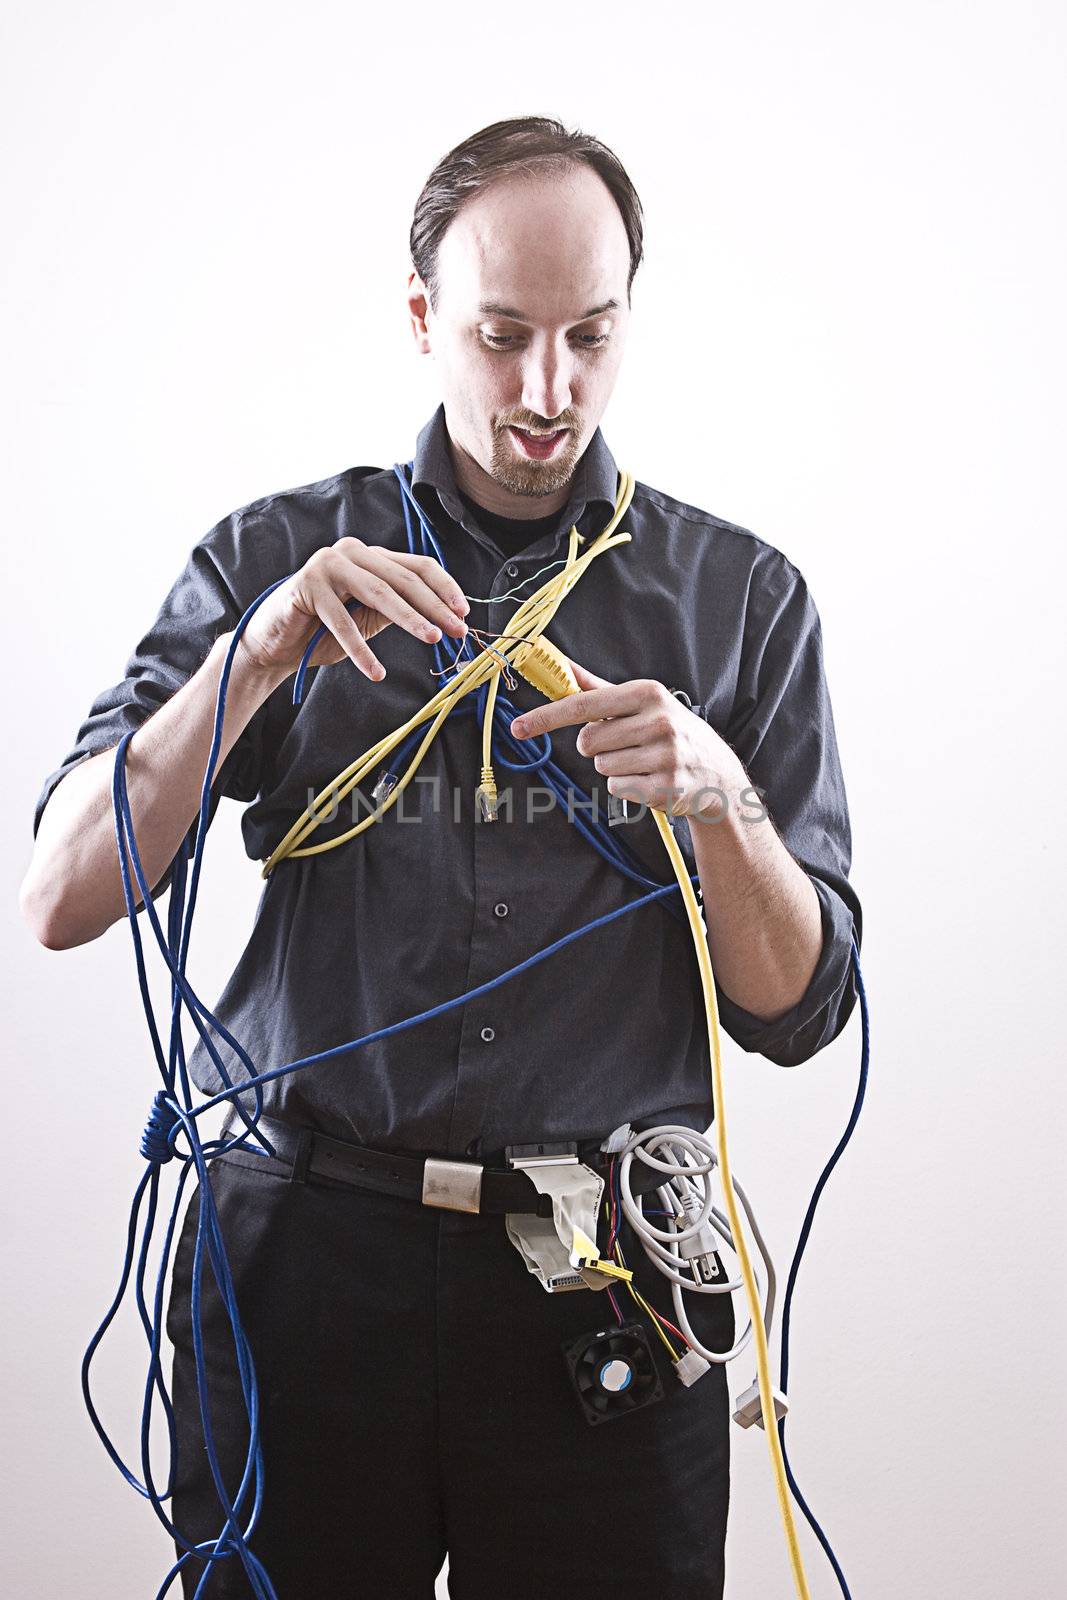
point(690, 1367)
point(750, 1411)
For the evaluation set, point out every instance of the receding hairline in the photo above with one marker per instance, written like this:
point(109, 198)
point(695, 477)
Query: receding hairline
point(516, 148)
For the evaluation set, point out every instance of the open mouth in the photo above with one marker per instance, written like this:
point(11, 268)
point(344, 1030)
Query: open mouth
point(538, 446)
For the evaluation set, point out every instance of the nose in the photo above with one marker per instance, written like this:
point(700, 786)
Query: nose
point(546, 380)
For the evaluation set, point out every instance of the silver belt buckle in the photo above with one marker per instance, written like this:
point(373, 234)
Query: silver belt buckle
point(453, 1185)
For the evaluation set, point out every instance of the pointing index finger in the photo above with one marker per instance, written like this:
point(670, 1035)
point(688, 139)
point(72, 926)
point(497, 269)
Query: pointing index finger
point(588, 705)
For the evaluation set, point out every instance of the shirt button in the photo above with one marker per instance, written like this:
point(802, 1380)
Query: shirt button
point(500, 909)
point(488, 1034)
point(512, 570)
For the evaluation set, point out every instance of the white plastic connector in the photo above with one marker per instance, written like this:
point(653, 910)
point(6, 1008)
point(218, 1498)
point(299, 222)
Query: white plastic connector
point(700, 1247)
point(618, 810)
point(750, 1411)
point(690, 1367)
point(387, 782)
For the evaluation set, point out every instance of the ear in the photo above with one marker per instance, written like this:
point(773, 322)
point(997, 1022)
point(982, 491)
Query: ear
point(421, 311)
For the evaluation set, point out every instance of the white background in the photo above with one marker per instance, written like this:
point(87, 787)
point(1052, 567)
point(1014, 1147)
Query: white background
point(847, 336)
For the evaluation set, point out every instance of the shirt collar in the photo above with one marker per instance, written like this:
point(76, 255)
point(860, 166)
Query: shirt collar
point(594, 484)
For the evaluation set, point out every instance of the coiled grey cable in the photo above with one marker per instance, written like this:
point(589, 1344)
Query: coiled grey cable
point(690, 1161)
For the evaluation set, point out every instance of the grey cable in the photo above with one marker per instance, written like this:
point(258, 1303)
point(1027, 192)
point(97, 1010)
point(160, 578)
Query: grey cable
point(684, 1147)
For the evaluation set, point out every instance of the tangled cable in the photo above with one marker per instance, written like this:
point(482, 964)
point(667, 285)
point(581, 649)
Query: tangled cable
point(523, 628)
point(473, 683)
point(687, 1159)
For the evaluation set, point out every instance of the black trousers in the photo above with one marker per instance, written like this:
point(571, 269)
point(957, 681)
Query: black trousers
point(415, 1401)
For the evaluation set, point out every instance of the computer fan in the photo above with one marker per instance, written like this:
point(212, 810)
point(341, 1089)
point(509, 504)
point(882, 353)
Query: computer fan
point(613, 1371)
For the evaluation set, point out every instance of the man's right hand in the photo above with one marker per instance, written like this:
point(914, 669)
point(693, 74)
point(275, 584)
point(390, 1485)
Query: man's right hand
point(72, 890)
point(388, 586)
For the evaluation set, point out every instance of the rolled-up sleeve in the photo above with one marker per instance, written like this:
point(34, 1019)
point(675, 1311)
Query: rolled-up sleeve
point(199, 607)
point(782, 728)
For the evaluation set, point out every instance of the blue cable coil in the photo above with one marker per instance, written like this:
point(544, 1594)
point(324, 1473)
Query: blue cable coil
point(174, 1114)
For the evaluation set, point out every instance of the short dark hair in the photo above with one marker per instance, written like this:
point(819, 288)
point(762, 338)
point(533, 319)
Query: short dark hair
point(517, 145)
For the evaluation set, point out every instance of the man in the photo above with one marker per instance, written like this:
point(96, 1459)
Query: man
point(414, 1395)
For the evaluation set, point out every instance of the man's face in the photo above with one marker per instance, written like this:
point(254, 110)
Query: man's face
point(528, 330)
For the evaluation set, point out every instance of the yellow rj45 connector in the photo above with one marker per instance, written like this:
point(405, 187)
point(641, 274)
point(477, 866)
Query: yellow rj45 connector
point(485, 794)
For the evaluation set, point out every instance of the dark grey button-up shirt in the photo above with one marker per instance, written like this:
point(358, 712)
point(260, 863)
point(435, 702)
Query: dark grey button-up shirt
point(430, 902)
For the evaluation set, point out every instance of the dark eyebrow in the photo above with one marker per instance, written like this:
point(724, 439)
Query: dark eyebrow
point(490, 308)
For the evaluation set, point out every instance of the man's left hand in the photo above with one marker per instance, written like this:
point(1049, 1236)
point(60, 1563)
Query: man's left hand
point(651, 748)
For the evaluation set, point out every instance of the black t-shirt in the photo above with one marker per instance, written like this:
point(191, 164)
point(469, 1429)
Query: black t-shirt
point(511, 534)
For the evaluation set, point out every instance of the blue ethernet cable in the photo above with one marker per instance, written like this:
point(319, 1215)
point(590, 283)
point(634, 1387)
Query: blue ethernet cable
point(809, 1217)
point(158, 1146)
point(170, 1118)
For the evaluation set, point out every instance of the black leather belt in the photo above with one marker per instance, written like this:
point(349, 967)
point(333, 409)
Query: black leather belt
point(442, 1181)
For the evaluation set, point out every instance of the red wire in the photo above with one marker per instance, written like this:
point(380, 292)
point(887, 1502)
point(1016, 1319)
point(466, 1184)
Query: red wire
point(666, 1321)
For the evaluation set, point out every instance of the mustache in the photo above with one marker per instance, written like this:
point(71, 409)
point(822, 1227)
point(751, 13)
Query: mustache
point(539, 425)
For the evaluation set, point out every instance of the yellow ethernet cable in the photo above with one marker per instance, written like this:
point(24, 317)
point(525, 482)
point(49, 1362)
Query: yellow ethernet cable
point(523, 645)
point(524, 626)
point(551, 676)
point(763, 1360)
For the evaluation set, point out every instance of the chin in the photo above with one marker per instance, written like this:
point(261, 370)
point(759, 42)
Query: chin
point(534, 479)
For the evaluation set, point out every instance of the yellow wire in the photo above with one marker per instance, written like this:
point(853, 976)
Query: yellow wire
point(643, 1303)
point(470, 676)
point(528, 622)
point(763, 1364)
point(487, 720)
